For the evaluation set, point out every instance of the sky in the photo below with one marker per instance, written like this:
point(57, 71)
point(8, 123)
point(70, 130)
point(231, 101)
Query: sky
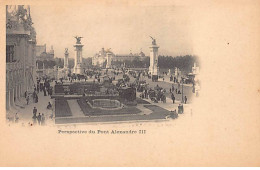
point(121, 27)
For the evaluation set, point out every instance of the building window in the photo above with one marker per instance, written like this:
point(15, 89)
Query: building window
point(10, 53)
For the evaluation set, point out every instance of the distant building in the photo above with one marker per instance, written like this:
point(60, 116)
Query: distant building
point(20, 54)
point(101, 57)
point(40, 49)
point(41, 57)
point(41, 53)
point(195, 69)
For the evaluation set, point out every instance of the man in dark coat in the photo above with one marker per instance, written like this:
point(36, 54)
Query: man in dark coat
point(185, 99)
point(173, 98)
point(36, 98)
point(44, 91)
point(34, 110)
point(27, 99)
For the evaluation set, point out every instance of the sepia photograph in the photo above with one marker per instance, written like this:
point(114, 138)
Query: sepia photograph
point(77, 76)
point(130, 83)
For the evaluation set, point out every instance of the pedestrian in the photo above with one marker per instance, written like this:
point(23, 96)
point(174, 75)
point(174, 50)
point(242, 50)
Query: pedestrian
point(36, 98)
point(37, 88)
point(176, 91)
point(44, 91)
point(41, 86)
point(34, 95)
point(43, 120)
point(34, 110)
point(27, 99)
point(49, 106)
point(180, 109)
point(16, 118)
point(34, 118)
point(185, 99)
point(39, 118)
point(173, 98)
point(164, 99)
point(25, 94)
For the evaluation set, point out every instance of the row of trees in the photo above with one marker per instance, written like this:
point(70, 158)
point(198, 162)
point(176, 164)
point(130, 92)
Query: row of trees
point(60, 63)
point(135, 63)
point(184, 63)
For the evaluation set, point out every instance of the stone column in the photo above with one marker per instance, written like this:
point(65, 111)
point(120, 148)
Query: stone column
point(66, 58)
point(109, 56)
point(153, 69)
point(78, 59)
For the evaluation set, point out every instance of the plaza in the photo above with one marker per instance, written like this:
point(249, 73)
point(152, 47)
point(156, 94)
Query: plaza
point(106, 91)
point(75, 110)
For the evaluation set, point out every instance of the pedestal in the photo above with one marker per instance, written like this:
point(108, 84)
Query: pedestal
point(153, 69)
point(78, 59)
point(109, 56)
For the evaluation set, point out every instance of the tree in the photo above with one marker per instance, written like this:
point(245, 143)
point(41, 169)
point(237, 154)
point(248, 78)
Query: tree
point(184, 63)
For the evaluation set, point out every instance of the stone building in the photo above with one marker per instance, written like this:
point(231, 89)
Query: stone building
point(42, 54)
point(101, 57)
point(20, 54)
point(44, 60)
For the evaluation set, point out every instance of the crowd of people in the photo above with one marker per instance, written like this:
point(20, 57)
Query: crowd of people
point(42, 86)
point(40, 118)
point(156, 94)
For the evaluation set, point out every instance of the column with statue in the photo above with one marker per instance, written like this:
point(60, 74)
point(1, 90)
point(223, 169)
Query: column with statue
point(153, 69)
point(78, 57)
point(66, 63)
point(109, 57)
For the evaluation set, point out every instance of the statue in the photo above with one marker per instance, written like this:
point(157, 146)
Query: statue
point(154, 41)
point(66, 50)
point(78, 39)
point(21, 13)
point(108, 50)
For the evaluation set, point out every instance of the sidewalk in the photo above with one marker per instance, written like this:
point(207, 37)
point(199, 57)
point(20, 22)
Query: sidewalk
point(25, 112)
point(168, 105)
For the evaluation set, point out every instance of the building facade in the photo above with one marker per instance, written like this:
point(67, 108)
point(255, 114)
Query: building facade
point(101, 57)
point(44, 60)
point(42, 54)
point(20, 53)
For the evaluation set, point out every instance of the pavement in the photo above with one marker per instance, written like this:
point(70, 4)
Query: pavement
point(25, 111)
point(187, 89)
point(75, 108)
